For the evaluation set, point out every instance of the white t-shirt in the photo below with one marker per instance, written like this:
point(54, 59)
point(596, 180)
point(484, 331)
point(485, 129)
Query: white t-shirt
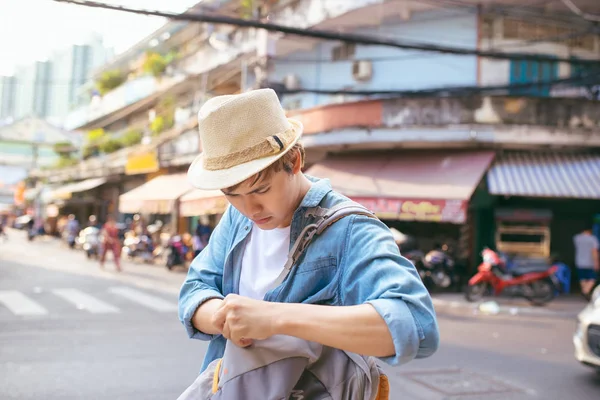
point(585, 245)
point(264, 257)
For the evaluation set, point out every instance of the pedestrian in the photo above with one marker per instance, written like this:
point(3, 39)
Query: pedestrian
point(111, 242)
point(72, 230)
point(586, 260)
point(3, 233)
point(351, 289)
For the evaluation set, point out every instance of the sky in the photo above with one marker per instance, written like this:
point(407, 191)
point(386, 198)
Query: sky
point(31, 29)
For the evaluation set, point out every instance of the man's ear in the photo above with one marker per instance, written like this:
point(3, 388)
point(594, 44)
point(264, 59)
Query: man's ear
point(298, 163)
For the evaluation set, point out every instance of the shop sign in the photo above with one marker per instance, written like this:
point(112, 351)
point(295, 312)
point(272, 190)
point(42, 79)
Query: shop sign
point(141, 163)
point(453, 211)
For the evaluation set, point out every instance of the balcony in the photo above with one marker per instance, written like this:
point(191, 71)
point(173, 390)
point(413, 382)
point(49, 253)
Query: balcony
point(452, 121)
point(125, 95)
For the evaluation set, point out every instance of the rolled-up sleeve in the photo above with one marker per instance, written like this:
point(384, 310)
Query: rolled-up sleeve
point(204, 280)
point(373, 272)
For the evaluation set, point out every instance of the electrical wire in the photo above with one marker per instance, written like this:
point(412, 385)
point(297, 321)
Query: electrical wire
point(589, 79)
point(577, 11)
point(334, 36)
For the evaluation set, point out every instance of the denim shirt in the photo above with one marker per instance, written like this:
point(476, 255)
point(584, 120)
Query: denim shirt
point(354, 261)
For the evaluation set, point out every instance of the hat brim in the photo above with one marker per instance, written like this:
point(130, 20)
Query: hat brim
point(221, 179)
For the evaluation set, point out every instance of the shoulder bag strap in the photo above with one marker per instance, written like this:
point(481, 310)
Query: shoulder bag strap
point(324, 217)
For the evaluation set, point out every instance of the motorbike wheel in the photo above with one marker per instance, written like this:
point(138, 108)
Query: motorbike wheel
point(475, 293)
point(170, 260)
point(543, 292)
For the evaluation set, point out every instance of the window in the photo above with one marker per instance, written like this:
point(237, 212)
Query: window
point(345, 51)
point(513, 28)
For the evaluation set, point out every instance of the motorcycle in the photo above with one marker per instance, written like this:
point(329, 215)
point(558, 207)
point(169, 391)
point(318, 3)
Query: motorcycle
point(438, 269)
point(176, 252)
point(89, 240)
point(538, 284)
point(138, 246)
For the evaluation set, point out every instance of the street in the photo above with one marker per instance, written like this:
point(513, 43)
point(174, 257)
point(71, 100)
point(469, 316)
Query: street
point(69, 330)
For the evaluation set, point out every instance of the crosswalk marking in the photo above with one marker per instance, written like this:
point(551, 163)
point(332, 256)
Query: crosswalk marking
point(85, 302)
point(153, 302)
point(20, 304)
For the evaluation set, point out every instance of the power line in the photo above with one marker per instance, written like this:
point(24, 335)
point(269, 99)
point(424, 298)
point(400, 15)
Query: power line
point(590, 79)
point(577, 11)
point(329, 35)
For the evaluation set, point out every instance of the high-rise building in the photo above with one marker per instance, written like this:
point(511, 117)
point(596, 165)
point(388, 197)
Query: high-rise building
point(48, 89)
point(7, 97)
point(71, 69)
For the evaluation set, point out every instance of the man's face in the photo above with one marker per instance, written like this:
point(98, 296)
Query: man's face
point(270, 202)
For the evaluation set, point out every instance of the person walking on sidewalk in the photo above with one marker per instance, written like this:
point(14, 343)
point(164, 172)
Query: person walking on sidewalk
point(110, 234)
point(586, 260)
point(351, 290)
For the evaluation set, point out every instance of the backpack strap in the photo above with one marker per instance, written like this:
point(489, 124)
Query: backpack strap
point(324, 217)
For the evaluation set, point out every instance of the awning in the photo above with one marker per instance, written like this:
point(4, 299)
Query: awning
point(157, 196)
point(546, 175)
point(203, 202)
point(423, 186)
point(65, 192)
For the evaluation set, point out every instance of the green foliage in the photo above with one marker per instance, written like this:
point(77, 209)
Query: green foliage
point(110, 145)
point(63, 148)
point(90, 151)
point(110, 80)
point(156, 63)
point(247, 8)
point(64, 162)
point(131, 137)
point(95, 135)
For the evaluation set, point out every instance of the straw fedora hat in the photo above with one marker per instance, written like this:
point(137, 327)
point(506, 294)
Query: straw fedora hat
point(241, 135)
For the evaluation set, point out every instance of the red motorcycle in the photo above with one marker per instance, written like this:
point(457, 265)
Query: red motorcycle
point(538, 284)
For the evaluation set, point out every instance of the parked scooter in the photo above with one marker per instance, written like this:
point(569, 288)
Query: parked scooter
point(89, 240)
point(538, 284)
point(176, 252)
point(138, 246)
point(438, 269)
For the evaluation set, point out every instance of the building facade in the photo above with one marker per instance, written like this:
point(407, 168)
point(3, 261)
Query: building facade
point(471, 170)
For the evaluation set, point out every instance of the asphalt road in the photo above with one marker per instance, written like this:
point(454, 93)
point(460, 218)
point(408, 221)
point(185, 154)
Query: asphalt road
point(70, 331)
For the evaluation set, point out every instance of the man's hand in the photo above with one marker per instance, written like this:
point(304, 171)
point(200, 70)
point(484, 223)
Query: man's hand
point(243, 320)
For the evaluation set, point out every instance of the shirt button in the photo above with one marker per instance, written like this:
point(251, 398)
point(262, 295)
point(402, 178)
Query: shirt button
point(246, 227)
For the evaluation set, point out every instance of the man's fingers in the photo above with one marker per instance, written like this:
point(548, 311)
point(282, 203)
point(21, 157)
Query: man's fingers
point(219, 318)
point(226, 331)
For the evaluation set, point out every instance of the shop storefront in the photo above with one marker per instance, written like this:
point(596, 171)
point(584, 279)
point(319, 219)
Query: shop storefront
point(79, 198)
point(540, 200)
point(423, 194)
point(158, 199)
point(208, 205)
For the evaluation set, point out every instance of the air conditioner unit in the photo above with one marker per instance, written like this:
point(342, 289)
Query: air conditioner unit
point(362, 70)
point(291, 82)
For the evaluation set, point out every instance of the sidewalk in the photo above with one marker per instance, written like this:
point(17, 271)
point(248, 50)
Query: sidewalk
point(563, 306)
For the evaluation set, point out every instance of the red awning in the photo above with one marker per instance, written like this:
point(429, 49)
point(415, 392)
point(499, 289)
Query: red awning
point(420, 185)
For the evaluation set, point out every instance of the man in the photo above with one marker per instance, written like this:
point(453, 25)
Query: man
point(351, 289)
point(586, 260)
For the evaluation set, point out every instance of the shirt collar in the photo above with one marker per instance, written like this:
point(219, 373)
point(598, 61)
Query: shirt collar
point(316, 193)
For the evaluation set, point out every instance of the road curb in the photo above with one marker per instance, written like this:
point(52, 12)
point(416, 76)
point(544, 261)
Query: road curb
point(488, 308)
